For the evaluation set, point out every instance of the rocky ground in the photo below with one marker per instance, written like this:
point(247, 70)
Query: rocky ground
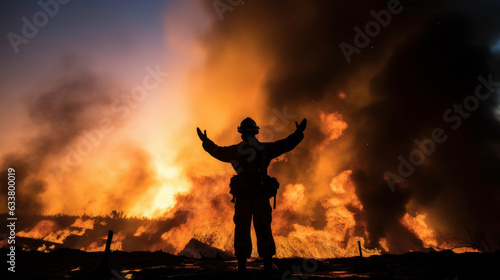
point(76, 264)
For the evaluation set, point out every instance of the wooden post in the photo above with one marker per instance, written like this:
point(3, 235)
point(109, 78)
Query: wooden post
point(108, 242)
point(359, 246)
point(103, 271)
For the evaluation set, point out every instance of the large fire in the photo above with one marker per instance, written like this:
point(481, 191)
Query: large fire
point(201, 203)
point(181, 193)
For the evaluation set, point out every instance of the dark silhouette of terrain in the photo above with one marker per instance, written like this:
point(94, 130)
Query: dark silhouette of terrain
point(76, 264)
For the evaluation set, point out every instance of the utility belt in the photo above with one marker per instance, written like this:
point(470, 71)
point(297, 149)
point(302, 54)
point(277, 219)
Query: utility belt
point(254, 185)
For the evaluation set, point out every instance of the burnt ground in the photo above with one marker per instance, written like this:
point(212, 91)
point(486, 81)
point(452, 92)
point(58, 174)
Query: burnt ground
point(76, 264)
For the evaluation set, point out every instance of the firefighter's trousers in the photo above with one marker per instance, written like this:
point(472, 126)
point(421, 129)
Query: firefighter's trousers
point(260, 209)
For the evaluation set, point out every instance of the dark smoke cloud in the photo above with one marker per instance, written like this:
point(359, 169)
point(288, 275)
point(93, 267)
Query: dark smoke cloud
point(59, 114)
point(421, 81)
point(77, 101)
point(428, 58)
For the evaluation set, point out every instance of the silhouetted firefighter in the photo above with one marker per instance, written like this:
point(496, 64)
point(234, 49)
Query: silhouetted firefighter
point(252, 187)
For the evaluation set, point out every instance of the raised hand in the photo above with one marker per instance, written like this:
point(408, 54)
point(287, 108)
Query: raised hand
point(203, 136)
point(302, 126)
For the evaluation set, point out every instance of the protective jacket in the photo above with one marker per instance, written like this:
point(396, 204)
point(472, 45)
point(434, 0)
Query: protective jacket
point(252, 156)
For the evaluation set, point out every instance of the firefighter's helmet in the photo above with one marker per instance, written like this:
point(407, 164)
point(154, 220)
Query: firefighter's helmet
point(248, 126)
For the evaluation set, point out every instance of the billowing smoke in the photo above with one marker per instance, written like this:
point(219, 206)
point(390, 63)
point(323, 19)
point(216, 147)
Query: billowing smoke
point(419, 84)
point(396, 88)
point(60, 114)
point(358, 175)
point(57, 170)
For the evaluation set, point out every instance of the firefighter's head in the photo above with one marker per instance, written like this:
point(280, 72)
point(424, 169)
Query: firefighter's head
point(248, 127)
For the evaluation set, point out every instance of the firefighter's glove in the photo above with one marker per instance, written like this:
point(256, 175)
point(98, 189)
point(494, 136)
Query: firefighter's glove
point(302, 126)
point(203, 136)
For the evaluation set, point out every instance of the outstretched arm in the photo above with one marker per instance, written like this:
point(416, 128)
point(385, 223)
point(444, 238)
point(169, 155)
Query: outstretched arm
point(285, 145)
point(221, 153)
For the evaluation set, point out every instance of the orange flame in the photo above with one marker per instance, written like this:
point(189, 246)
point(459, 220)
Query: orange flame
point(418, 225)
point(46, 230)
point(170, 173)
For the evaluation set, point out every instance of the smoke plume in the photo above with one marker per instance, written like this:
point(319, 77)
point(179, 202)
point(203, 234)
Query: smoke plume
point(394, 91)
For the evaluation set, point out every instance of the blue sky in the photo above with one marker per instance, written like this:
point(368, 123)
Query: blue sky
point(98, 31)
